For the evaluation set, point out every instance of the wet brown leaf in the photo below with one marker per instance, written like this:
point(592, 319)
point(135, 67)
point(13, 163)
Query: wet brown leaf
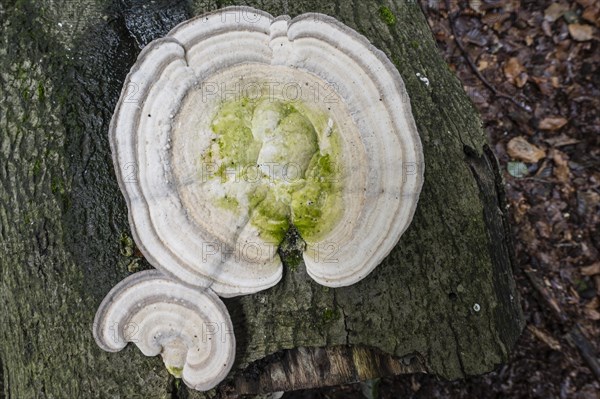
point(528, 40)
point(521, 210)
point(561, 171)
point(544, 85)
point(546, 28)
point(543, 229)
point(521, 80)
point(561, 140)
point(482, 65)
point(587, 202)
point(495, 20)
point(545, 338)
point(513, 68)
point(521, 149)
point(552, 123)
point(585, 3)
point(476, 37)
point(555, 11)
point(475, 5)
point(592, 14)
point(593, 304)
point(591, 314)
point(591, 270)
point(580, 32)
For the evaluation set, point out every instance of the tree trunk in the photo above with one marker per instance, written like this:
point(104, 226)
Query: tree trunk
point(443, 301)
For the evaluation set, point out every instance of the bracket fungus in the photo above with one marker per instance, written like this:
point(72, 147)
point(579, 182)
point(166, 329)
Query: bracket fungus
point(238, 125)
point(191, 329)
point(231, 130)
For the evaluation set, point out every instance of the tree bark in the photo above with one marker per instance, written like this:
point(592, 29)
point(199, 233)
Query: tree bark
point(443, 301)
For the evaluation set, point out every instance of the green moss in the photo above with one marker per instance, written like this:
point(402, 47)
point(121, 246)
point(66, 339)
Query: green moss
point(278, 160)
point(387, 16)
point(25, 94)
point(126, 245)
point(37, 167)
point(134, 266)
point(292, 261)
point(40, 92)
point(329, 315)
point(57, 186)
point(291, 249)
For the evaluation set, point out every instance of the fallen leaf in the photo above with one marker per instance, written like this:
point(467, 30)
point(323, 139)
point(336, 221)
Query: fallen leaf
point(513, 68)
point(592, 14)
point(521, 80)
point(587, 202)
point(475, 36)
point(593, 304)
point(545, 171)
point(544, 230)
point(571, 17)
point(585, 3)
point(475, 5)
point(517, 169)
point(495, 19)
point(521, 149)
point(562, 140)
point(580, 32)
point(528, 40)
point(555, 11)
point(553, 123)
point(546, 28)
point(591, 269)
point(544, 85)
point(545, 338)
point(414, 384)
point(591, 314)
point(561, 171)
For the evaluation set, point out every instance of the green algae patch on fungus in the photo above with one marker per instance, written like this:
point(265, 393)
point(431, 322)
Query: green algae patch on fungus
point(316, 206)
point(176, 372)
point(236, 144)
point(277, 161)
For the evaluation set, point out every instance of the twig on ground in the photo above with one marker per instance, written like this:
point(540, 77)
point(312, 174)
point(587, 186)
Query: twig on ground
point(497, 93)
point(575, 337)
point(539, 286)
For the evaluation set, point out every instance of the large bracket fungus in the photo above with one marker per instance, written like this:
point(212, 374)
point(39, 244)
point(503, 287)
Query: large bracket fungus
point(231, 130)
point(189, 328)
point(237, 125)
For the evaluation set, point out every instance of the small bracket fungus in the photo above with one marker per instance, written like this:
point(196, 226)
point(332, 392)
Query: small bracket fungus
point(238, 125)
point(189, 328)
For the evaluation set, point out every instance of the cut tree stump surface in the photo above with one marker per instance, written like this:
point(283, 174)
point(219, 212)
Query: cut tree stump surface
point(443, 302)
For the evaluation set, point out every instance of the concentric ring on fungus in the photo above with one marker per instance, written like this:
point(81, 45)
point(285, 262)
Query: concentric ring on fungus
point(189, 328)
point(238, 125)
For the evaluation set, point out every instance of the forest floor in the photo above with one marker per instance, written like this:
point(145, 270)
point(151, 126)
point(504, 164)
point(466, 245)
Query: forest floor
point(532, 69)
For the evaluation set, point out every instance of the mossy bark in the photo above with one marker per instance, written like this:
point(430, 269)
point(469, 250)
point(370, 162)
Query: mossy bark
point(63, 220)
